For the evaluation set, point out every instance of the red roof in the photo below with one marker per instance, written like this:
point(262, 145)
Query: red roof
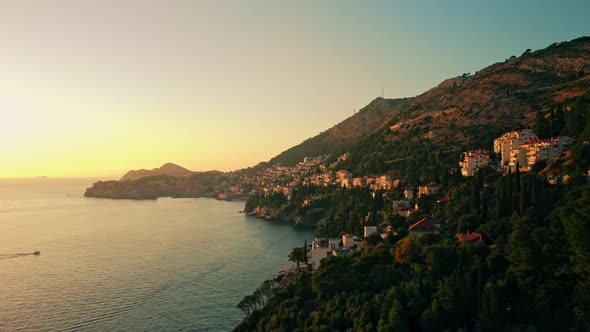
point(425, 225)
point(444, 199)
point(468, 237)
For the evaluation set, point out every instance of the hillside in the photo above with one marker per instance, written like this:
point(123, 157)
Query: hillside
point(348, 132)
point(168, 169)
point(497, 251)
point(469, 111)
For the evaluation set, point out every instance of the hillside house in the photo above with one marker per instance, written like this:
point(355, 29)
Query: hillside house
point(429, 189)
point(530, 152)
point(425, 226)
point(349, 241)
point(409, 193)
point(320, 249)
point(473, 160)
point(504, 144)
point(405, 211)
point(346, 182)
point(385, 182)
point(468, 238)
point(359, 182)
point(397, 205)
point(369, 230)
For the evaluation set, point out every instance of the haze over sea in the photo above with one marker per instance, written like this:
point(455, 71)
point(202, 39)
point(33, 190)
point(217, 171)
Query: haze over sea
point(169, 264)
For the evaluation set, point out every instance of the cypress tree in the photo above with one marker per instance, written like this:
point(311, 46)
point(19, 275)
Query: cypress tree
point(517, 189)
point(484, 204)
point(475, 196)
point(508, 208)
point(517, 180)
point(533, 196)
point(499, 202)
point(445, 177)
point(522, 202)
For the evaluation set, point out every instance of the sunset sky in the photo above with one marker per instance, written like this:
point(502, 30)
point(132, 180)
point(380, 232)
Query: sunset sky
point(97, 89)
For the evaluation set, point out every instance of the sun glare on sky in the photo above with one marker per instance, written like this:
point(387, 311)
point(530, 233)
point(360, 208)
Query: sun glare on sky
point(97, 88)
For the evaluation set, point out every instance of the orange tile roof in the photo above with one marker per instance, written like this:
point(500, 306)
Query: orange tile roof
point(424, 225)
point(468, 237)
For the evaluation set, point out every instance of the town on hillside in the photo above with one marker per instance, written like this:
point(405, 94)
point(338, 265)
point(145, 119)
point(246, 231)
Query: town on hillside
point(277, 188)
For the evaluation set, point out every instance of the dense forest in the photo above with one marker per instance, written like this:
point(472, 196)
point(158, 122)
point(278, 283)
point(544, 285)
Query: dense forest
point(531, 271)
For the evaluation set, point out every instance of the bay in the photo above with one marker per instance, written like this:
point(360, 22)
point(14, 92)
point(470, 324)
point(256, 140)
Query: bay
point(125, 265)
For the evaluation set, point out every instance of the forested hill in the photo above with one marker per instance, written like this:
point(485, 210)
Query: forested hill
point(339, 138)
point(497, 251)
point(461, 112)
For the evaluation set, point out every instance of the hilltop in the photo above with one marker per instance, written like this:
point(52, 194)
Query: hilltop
point(168, 169)
point(337, 139)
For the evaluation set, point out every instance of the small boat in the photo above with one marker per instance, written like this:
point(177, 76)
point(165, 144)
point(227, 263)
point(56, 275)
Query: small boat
point(37, 252)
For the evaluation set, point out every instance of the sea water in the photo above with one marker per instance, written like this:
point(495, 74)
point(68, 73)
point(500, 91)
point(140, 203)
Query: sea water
point(125, 265)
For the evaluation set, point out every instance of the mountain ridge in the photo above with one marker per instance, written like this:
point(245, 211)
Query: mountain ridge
point(469, 111)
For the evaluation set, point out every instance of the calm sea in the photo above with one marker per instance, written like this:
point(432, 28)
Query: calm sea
point(123, 265)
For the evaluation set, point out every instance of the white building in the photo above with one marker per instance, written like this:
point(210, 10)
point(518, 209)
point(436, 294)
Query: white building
point(346, 182)
point(409, 193)
point(287, 191)
point(369, 230)
point(348, 241)
point(474, 160)
point(429, 189)
point(527, 154)
point(320, 249)
point(341, 174)
point(359, 182)
point(504, 144)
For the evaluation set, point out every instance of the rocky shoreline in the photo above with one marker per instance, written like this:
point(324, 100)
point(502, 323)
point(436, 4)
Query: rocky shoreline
point(309, 219)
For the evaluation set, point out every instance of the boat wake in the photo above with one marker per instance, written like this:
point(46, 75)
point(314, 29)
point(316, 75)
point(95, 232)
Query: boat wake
point(16, 255)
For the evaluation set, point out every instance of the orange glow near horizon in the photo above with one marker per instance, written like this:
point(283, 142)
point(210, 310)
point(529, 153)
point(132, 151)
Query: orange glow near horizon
point(96, 88)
